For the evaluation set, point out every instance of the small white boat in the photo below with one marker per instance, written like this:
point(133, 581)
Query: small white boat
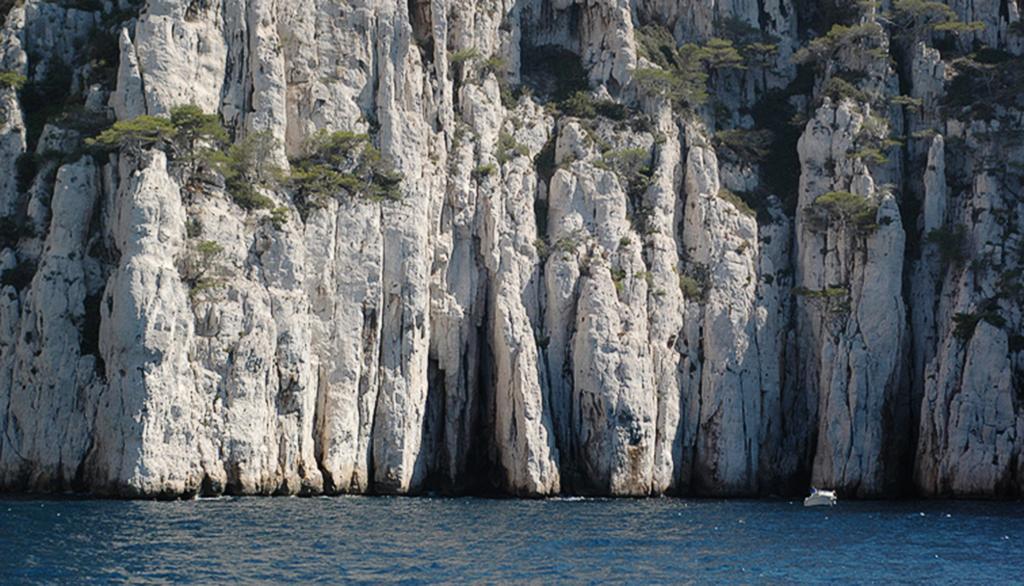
point(820, 498)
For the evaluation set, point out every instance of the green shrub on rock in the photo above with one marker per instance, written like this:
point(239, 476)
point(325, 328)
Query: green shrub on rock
point(247, 166)
point(737, 202)
point(633, 166)
point(195, 132)
point(691, 288)
point(141, 132)
point(826, 50)
point(966, 323)
point(199, 266)
point(915, 20)
point(338, 163)
point(845, 210)
point(12, 79)
point(951, 244)
point(751, 146)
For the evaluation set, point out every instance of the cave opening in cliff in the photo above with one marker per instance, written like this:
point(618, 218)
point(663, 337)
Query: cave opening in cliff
point(459, 455)
point(553, 73)
point(549, 47)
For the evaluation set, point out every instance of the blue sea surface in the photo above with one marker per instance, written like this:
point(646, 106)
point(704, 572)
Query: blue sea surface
point(427, 540)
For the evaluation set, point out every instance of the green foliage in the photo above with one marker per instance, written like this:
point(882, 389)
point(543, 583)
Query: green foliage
point(751, 146)
point(759, 54)
point(463, 56)
point(252, 159)
point(209, 249)
point(951, 244)
point(838, 89)
point(192, 135)
point(757, 48)
point(495, 64)
point(567, 245)
point(827, 49)
point(820, 15)
point(686, 89)
point(873, 140)
point(690, 287)
point(840, 56)
point(194, 132)
point(140, 132)
point(844, 209)
point(542, 248)
point(982, 83)
point(247, 166)
point(656, 44)
point(834, 300)
point(12, 79)
point(720, 54)
point(915, 20)
point(248, 198)
point(583, 105)
point(484, 170)
point(680, 75)
point(619, 278)
point(737, 202)
point(279, 217)
point(339, 163)
point(907, 102)
point(633, 166)
point(869, 155)
point(193, 228)
point(508, 148)
point(826, 293)
point(199, 266)
point(966, 323)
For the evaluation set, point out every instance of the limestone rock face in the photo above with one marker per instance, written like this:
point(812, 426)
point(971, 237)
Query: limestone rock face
point(850, 309)
point(586, 282)
point(970, 428)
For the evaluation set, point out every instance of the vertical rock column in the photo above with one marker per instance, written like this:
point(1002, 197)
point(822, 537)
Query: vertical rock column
point(402, 94)
point(722, 238)
point(145, 440)
point(851, 315)
point(53, 387)
point(597, 323)
point(972, 422)
point(666, 310)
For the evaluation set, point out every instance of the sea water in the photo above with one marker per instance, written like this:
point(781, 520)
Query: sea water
point(426, 540)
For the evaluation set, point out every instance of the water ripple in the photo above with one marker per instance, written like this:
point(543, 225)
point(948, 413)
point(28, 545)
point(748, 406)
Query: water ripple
point(421, 540)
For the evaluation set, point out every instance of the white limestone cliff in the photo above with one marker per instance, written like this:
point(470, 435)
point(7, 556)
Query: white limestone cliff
point(557, 303)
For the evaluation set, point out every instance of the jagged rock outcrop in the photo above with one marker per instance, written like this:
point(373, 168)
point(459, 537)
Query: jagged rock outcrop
point(606, 270)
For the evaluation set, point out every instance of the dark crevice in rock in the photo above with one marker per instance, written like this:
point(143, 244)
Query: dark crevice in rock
point(422, 27)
